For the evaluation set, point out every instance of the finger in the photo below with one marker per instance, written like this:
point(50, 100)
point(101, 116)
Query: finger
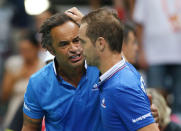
point(75, 11)
point(72, 9)
point(150, 98)
point(155, 114)
point(157, 120)
point(71, 15)
point(154, 110)
point(75, 18)
point(156, 117)
point(153, 107)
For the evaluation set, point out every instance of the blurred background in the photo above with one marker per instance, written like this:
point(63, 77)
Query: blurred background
point(153, 47)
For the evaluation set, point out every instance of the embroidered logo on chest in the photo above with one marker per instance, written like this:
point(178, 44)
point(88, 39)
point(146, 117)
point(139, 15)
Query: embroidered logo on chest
point(103, 103)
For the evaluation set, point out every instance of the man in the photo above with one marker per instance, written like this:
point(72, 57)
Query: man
point(124, 104)
point(62, 91)
point(130, 46)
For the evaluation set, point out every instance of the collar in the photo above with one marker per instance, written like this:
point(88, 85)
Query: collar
point(117, 67)
point(54, 67)
point(55, 64)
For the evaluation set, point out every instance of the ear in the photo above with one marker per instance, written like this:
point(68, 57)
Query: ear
point(101, 43)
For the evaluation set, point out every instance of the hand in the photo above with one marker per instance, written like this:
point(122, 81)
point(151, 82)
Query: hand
point(154, 110)
point(75, 14)
point(155, 114)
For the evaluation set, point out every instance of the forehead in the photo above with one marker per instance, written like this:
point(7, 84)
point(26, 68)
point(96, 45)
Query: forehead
point(67, 31)
point(82, 30)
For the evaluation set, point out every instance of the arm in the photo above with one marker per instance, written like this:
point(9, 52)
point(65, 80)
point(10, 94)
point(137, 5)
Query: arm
point(33, 112)
point(30, 124)
point(151, 127)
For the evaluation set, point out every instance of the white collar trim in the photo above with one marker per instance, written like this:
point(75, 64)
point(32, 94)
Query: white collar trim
point(54, 67)
point(112, 70)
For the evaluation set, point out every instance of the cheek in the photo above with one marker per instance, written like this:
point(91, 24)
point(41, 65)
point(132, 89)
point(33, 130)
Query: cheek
point(136, 47)
point(133, 49)
point(61, 52)
point(81, 49)
point(85, 48)
point(86, 52)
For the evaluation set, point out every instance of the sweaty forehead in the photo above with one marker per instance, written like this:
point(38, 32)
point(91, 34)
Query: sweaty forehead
point(67, 31)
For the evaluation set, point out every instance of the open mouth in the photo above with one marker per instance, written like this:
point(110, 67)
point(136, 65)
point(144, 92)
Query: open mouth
point(75, 58)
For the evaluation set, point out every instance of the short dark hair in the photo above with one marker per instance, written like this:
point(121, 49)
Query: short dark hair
point(53, 21)
point(128, 27)
point(105, 23)
point(31, 36)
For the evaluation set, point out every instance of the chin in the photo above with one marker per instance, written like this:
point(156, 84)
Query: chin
point(78, 64)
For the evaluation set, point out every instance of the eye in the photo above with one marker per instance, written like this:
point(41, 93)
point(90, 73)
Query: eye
point(76, 40)
point(63, 43)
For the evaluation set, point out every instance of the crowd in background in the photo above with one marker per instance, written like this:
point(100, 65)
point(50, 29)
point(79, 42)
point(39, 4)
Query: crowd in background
point(156, 26)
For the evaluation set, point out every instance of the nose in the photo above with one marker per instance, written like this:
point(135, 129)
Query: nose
point(74, 47)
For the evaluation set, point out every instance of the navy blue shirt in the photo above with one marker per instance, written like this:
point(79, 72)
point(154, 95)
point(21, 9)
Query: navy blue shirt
point(124, 103)
point(65, 107)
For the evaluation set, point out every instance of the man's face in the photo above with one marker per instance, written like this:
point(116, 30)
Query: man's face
point(89, 49)
point(130, 48)
point(66, 46)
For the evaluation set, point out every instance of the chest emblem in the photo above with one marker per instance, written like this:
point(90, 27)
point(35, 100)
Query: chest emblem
point(103, 103)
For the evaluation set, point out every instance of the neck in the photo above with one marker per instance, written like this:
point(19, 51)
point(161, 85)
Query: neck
point(71, 75)
point(109, 60)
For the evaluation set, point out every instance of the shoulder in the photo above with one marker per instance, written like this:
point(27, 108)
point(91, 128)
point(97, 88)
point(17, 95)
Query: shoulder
point(127, 76)
point(126, 80)
point(40, 82)
point(133, 70)
point(43, 75)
